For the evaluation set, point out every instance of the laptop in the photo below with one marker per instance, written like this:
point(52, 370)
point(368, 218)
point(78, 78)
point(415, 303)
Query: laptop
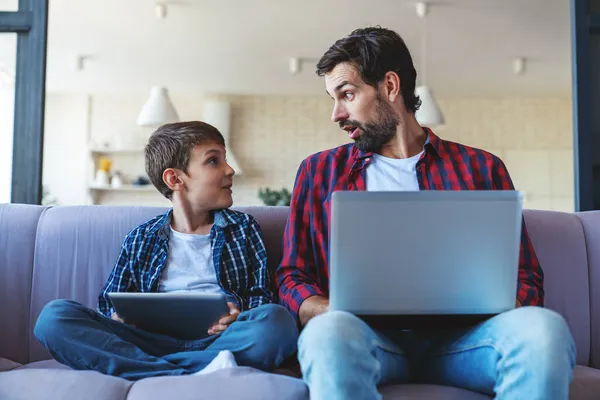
point(427, 258)
point(181, 315)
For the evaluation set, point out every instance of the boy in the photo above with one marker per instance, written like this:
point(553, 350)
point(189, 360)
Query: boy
point(198, 245)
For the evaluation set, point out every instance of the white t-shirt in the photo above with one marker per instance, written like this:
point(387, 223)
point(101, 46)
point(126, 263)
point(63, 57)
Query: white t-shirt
point(190, 264)
point(392, 174)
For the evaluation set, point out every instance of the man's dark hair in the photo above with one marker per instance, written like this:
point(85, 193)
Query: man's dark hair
point(170, 147)
point(375, 51)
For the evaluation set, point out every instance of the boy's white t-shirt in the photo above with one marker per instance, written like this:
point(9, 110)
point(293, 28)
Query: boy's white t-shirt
point(189, 264)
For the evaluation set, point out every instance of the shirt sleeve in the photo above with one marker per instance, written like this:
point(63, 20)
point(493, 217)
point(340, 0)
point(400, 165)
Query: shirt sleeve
point(120, 280)
point(296, 274)
point(530, 289)
point(260, 292)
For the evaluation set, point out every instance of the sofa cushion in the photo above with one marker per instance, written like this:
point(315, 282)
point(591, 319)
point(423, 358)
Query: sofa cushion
point(7, 365)
point(231, 383)
point(32, 384)
point(559, 243)
point(428, 392)
point(586, 384)
point(46, 364)
point(18, 227)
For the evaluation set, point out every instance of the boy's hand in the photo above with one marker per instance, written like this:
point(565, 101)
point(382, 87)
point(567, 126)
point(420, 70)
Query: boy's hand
point(116, 317)
point(224, 322)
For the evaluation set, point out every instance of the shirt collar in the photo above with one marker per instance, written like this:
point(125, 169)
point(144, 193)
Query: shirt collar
point(222, 218)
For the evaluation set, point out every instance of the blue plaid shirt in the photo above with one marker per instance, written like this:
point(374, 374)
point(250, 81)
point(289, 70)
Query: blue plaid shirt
point(239, 257)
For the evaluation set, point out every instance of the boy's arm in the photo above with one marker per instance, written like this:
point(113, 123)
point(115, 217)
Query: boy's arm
point(295, 275)
point(530, 289)
point(260, 292)
point(120, 280)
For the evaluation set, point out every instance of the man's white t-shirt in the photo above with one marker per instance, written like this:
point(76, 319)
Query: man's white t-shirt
point(189, 265)
point(393, 174)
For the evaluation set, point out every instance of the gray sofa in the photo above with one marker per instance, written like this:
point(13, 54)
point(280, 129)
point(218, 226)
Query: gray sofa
point(67, 252)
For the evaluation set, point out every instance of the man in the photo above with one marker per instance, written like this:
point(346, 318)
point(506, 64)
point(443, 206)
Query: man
point(525, 353)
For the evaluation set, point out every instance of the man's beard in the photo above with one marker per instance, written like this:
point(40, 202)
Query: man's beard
point(375, 134)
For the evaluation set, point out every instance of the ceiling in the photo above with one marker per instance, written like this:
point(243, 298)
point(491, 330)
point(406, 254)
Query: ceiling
point(243, 46)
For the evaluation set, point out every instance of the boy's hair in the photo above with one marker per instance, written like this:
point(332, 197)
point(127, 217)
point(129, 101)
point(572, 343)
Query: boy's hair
point(375, 51)
point(170, 147)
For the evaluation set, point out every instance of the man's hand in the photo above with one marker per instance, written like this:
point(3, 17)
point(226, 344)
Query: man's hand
point(518, 304)
point(224, 322)
point(312, 307)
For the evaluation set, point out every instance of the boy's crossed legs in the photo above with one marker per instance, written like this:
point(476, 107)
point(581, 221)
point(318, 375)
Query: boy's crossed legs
point(84, 339)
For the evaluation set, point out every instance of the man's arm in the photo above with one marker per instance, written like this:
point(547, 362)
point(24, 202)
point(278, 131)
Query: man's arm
point(312, 307)
point(296, 275)
point(120, 280)
point(530, 289)
point(260, 292)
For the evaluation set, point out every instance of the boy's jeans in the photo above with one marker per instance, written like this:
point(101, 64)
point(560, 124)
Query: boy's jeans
point(86, 340)
point(526, 353)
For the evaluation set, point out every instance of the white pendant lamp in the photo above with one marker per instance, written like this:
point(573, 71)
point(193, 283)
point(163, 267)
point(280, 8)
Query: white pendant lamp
point(218, 114)
point(429, 113)
point(158, 110)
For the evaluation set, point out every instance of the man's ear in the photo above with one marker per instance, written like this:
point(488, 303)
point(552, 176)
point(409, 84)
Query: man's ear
point(171, 178)
point(391, 86)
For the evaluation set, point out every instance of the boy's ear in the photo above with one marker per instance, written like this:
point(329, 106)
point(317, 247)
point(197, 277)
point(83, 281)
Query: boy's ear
point(172, 180)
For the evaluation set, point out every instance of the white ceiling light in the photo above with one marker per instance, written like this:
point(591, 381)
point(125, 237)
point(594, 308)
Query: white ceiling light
point(519, 66)
point(294, 65)
point(158, 110)
point(429, 113)
point(160, 9)
point(218, 114)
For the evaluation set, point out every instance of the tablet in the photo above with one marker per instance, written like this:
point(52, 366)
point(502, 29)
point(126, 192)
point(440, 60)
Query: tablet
point(181, 315)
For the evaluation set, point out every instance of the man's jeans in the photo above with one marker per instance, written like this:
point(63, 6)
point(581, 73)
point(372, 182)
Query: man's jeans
point(526, 353)
point(86, 340)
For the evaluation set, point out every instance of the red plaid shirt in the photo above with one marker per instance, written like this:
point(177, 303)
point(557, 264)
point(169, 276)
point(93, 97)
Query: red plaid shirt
point(444, 165)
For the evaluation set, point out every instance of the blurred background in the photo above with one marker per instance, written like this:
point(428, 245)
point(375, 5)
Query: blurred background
point(500, 72)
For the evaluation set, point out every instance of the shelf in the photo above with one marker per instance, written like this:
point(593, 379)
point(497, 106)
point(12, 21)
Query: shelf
point(125, 188)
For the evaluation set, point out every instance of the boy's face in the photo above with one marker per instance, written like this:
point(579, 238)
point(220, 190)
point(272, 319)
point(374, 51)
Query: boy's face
point(209, 178)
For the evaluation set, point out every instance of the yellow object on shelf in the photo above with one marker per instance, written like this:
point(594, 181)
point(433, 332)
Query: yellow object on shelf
point(104, 164)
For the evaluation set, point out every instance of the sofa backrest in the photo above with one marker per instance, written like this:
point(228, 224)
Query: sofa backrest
point(68, 252)
point(18, 226)
point(591, 226)
point(559, 243)
point(76, 249)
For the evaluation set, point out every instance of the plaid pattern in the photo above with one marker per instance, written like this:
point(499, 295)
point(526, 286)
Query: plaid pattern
point(239, 256)
point(444, 165)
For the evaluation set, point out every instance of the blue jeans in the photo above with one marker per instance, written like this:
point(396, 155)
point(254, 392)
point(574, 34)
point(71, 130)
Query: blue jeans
point(526, 353)
point(84, 339)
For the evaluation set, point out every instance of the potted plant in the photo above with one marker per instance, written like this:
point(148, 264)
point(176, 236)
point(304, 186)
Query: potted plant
point(275, 197)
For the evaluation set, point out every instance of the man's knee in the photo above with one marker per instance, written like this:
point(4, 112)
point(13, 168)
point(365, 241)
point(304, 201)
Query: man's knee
point(543, 333)
point(50, 319)
point(334, 331)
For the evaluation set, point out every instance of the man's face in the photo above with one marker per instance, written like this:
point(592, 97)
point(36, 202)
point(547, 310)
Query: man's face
point(360, 109)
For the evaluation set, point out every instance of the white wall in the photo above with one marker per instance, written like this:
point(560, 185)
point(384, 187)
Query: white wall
point(65, 144)
point(272, 134)
point(7, 103)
